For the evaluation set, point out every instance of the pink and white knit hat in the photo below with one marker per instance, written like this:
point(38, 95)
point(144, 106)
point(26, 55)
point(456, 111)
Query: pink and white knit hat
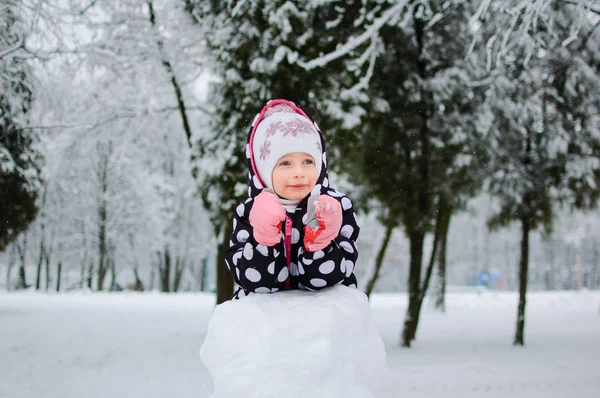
point(283, 131)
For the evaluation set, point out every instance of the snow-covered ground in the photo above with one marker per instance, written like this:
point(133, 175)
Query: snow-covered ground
point(146, 345)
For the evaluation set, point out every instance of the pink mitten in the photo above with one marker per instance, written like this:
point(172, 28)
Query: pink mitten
point(329, 215)
point(266, 217)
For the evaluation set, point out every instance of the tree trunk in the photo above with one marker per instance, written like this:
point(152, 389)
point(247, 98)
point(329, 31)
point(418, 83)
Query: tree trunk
point(440, 301)
point(139, 285)
point(389, 228)
point(82, 277)
point(101, 248)
point(441, 231)
point(82, 257)
point(423, 194)
point(414, 285)
point(224, 278)
point(113, 272)
point(47, 261)
point(523, 265)
point(102, 218)
point(179, 268)
point(152, 277)
point(90, 275)
point(22, 282)
point(432, 261)
point(203, 266)
point(596, 268)
point(11, 263)
point(164, 268)
point(38, 274)
point(174, 82)
point(58, 275)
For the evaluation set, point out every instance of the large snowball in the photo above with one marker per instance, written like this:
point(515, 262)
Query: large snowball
point(294, 344)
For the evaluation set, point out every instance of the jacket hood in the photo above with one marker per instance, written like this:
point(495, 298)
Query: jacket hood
point(255, 184)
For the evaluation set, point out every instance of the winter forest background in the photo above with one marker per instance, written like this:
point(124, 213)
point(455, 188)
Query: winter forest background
point(467, 132)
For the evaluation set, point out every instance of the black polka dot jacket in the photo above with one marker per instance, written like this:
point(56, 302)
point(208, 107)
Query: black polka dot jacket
point(288, 265)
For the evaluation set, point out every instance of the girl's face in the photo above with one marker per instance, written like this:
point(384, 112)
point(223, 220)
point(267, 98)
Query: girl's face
point(294, 175)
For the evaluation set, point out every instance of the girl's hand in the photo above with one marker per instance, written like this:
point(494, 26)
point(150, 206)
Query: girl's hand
point(266, 217)
point(329, 216)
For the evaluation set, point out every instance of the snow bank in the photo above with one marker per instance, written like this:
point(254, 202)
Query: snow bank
point(294, 344)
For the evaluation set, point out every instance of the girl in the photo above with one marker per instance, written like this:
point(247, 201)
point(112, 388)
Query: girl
point(294, 231)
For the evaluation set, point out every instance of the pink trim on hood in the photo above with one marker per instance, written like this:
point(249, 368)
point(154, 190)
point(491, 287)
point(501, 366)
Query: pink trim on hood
point(260, 118)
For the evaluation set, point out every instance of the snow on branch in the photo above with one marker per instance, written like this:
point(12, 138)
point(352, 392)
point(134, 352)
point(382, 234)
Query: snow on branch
point(19, 45)
point(517, 23)
point(369, 34)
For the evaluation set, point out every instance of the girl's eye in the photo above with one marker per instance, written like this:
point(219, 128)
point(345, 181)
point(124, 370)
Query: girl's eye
point(308, 161)
point(284, 163)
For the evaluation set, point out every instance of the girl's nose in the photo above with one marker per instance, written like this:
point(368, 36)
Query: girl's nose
point(298, 171)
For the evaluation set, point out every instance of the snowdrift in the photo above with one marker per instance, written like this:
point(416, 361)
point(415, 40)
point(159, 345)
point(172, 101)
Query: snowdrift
point(295, 344)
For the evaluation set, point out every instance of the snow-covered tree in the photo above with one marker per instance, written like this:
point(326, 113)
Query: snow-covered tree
point(19, 173)
point(545, 138)
point(255, 45)
point(416, 149)
point(118, 182)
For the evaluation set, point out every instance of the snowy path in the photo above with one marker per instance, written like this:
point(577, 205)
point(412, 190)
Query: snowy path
point(146, 345)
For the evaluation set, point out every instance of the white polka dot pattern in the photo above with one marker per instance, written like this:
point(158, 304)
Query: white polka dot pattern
point(271, 268)
point(346, 203)
point(283, 275)
point(236, 257)
point(243, 236)
point(240, 210)
point(252, 275)
point(248, 252)
point(347, 231)
point(347, 246)
point(257, 182)
point(262, 249)
point(318, 282)
point(327, 267)
point(349, 267)
point(295, 236)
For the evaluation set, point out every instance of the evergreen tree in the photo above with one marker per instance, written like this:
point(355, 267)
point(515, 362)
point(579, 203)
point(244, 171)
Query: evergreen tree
point(545, 138)
point(19, 176)
point(417, 150)
point(255, 45)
